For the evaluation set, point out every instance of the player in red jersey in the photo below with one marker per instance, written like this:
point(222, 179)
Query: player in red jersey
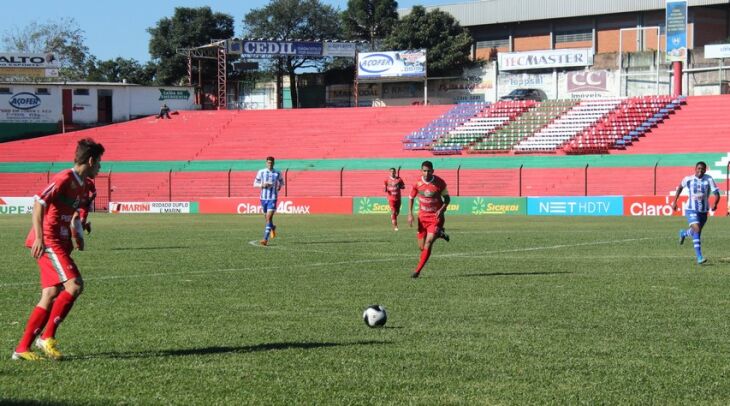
point(50, 243)
point(393, 185)
point(433, 200)
point(86, 205)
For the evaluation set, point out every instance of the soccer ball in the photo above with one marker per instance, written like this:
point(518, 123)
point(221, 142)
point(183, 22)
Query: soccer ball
point(375, 316)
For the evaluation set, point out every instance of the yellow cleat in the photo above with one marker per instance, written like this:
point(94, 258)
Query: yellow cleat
point(26, 356)
point(273, 232)
point(48, 346)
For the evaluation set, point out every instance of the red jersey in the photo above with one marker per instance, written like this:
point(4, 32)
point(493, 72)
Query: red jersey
point(60, 198)
point(430, 195)
point(88, 199)
point(393, 187)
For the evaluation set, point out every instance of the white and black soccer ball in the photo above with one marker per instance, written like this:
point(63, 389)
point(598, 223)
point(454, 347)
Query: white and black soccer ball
point(375, 316)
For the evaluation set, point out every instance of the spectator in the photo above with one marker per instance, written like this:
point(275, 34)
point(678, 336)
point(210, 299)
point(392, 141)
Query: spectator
point(164, 112)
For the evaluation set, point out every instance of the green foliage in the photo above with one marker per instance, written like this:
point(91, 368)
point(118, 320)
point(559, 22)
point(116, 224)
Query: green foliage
point(188, 28)
point(120, 69)
point(369, 20)
point(448, 45)
point(514, 310)
point(291, 20)
point(63, 37)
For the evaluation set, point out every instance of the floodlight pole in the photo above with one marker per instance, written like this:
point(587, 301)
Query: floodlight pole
point(356, 74)
point(222, 77)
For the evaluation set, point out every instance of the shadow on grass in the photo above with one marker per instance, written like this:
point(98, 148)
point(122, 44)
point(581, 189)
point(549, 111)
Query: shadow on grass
point(4, 401)
point(149, 248)
point(510, 274)
point(336, 242)
point(219, 350)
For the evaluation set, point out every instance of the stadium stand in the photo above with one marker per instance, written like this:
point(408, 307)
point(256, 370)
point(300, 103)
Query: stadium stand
point(196, 154)
point(424, 138)
point(531, 117)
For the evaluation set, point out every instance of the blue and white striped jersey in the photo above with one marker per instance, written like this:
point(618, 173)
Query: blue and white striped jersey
point(699, 190)
point(272, 178)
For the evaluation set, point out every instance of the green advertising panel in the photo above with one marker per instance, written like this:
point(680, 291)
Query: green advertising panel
point(459, 205)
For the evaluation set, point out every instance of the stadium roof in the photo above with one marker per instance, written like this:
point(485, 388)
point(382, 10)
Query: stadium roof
point(487, 12)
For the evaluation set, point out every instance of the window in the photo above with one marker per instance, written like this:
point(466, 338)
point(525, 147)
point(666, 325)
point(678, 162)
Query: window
point(81, 92)
point(6, 90)
point(42, 90)
point(494, 43)
point(573, 36)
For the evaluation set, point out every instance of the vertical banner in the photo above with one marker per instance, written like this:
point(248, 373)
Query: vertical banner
point(676, 30)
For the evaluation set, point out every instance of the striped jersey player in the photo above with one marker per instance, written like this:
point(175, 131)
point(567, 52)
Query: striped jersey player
point(699, 187)
point(270, 181)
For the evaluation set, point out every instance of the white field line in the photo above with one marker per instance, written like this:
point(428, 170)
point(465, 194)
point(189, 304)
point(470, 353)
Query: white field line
point(390, 258)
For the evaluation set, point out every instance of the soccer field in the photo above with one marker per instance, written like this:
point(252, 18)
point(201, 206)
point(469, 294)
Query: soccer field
point(514, 310)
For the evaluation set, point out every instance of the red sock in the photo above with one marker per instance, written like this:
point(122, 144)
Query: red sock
point(61, 306)
point(424, 258)
point(35, 323)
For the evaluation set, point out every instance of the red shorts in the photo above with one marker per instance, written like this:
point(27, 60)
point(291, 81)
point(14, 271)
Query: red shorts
point(394, 205)
point(429, 225)
point(56, 266)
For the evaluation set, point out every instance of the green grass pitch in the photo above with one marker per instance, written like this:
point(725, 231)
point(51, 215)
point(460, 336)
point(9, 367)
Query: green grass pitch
point(514, 310)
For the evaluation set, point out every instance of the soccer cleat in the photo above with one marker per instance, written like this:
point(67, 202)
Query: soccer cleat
point(26, 356)
point(415, 275)
point(682, 236)
point(48, 346)
point(701, 260)
point(273, 232)
point(87, 227)
point(442, 234)
point(395, 228)
point(264, 242)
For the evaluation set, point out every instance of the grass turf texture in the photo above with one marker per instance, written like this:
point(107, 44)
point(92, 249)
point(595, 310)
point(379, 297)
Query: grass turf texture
point(515, 310)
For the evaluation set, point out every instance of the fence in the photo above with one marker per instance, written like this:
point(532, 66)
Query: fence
point(520, 181)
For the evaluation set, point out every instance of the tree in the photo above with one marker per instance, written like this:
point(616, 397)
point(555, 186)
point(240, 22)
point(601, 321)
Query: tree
point(448, 45)
point(120, 69)
point(289, 20)
point(188, 28)
point(63, 38)
point(369, 20)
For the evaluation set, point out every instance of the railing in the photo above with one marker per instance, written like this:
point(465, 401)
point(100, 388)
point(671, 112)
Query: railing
point(579, 180)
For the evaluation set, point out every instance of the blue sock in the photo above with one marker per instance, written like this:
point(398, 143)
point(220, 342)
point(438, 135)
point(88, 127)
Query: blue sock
point(696, 242)
point(267, 231)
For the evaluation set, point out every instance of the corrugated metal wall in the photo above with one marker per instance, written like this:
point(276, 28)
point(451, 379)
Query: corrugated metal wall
point(503, 11)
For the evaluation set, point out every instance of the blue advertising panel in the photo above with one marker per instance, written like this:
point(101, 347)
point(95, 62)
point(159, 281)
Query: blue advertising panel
point(676, 30)
point(252, 49)
point(575, 206)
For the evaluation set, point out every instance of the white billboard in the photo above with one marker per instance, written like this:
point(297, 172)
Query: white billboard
point(717, 51)
point(391, 64)
point(28, 60)
point(556, 58)
point(25, 105)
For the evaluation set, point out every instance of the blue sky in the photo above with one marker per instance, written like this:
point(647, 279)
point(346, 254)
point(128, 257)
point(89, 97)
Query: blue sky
point(118, 28)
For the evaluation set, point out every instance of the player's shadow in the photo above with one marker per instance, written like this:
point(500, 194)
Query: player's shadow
point(220, 350)
point(173, 247)
point(337, 242)
point(510, 274)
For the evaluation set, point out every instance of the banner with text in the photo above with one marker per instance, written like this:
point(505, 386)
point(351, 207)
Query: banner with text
point(28, 60)
point(153, 207)
point(265, 49)
point(16, 205)
point(391, 64)
point(295, 205)
point(676, 30)
point(575, 206)
point(662, 206)
point(557, 58)
point(459, 205)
